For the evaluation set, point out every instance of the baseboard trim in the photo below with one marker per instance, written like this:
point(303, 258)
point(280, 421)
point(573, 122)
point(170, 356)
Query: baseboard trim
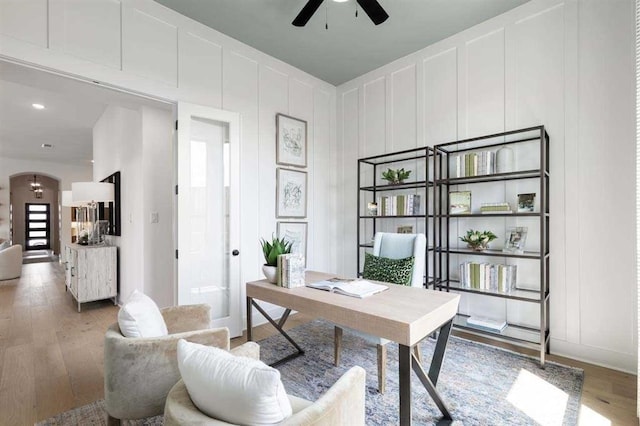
point(615, 360)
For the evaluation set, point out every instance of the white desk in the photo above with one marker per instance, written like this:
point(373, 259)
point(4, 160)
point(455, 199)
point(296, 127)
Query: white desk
point(405, 315)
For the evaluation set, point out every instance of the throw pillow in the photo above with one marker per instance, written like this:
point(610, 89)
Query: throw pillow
point(395, 271)
point(232, 388)
point(140, 317)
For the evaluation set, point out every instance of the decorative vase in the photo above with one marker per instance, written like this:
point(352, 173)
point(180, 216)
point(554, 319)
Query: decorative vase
point(478, 247)
point(504, 160)
point(271, 273)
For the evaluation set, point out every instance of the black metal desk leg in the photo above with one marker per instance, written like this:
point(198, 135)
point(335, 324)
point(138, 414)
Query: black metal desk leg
point(404, 383)
point(438, 352)
point(249, 319)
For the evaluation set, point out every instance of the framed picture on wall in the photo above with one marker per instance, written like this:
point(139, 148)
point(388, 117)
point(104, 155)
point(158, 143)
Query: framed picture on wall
point(295, 233)
point(291, 141)
point(291, 193)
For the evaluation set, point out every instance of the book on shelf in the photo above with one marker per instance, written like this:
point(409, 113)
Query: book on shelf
point(352, 288)
point(475, 164)
point(290, 270)
point(398, 205)
point(487, 323)
point(495, 208)
point(488, 276)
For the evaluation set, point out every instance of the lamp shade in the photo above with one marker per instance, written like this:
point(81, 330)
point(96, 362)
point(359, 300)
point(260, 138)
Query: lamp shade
point(67, 200)
point(87, 192)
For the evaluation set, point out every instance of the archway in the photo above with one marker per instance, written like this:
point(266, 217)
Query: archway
point(35, 216)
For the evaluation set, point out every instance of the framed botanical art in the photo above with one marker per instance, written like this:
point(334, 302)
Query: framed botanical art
point(296, 233)
point(291, 141)
point(291, 193)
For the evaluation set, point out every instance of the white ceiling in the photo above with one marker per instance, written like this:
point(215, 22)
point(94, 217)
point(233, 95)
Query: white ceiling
point(71, 109)
point(351, 46)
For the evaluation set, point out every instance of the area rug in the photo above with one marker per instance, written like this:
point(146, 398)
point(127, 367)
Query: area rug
point(482, 385)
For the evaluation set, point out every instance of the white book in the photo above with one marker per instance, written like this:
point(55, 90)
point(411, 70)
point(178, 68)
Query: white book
point(488, 323)
point(353, 288)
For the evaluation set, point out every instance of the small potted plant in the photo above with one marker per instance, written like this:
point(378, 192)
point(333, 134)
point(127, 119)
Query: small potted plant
point(397, 176)
point(477, 240)
point(271, 251)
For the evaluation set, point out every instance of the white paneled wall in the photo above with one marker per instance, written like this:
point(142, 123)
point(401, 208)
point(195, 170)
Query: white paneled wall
point(143, 47)
point(567, 65)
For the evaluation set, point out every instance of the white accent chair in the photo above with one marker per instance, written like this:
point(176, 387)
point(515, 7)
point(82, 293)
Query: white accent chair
point(392, 246)
point(11, 262)
point(342, 404)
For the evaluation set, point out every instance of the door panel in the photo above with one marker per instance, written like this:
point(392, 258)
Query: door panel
point(208, 211)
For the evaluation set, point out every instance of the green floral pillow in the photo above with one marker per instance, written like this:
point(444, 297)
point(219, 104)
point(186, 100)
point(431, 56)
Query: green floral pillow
point(396, 271)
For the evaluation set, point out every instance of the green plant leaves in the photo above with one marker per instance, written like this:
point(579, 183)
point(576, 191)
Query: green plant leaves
point(271, 250)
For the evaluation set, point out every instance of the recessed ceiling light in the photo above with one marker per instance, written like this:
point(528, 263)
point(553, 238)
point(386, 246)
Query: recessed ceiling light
point(340, 1)
point(92, 161)
point(47, 145)
point(38, 106)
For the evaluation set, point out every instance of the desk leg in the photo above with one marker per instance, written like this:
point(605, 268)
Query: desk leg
point(249, 319)
point(404, 383)
point(278, 326)
point(408, 361)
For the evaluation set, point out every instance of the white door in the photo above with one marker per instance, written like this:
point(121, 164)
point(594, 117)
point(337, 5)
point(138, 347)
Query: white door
point(208, 212)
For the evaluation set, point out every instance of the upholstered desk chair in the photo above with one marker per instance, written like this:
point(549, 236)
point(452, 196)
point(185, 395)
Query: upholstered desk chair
point(392, 246)
point(139, 372)
point(11, 262)
point(342, 404)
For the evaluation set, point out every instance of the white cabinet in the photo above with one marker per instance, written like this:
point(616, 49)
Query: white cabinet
point(91, 272)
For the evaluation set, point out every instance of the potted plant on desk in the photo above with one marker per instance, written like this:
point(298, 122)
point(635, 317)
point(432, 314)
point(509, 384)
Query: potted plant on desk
point(271, 251)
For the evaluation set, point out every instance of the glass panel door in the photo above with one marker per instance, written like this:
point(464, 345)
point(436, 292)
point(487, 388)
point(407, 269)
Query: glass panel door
point(207, 213)
point(37, 227)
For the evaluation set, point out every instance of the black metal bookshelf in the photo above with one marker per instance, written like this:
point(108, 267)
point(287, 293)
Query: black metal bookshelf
point(370, 187)
point(533, 141)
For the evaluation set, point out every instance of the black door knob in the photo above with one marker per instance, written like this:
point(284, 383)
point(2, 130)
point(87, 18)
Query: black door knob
point(235, 252)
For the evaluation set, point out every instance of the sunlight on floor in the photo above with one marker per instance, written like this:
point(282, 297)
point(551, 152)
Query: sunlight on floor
point(592, 418)
point(530, 393)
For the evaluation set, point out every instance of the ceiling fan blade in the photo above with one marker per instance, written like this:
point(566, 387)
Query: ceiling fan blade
point(374, 10)
point(307, 12)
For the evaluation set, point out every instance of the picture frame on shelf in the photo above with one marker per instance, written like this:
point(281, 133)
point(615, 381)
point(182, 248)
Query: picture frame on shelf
point(406, 229)
point(515, 240)
point(291, 141)
point(526, 202)
point(296, 233)
point(372, 209)
point(291, 193)
point(460, 202)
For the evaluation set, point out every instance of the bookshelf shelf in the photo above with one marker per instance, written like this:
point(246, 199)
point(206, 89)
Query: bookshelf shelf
point(461, 166)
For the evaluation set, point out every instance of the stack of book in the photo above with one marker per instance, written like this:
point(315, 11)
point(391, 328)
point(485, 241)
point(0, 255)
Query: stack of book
point(495, 208)
point(475, 164)
point(398, 205)
point(291, 270)
point(488, 276)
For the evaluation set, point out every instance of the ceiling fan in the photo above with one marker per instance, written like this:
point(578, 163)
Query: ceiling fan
point(371, 7)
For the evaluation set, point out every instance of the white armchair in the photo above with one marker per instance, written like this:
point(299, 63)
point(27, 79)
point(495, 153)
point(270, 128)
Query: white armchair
point(11, 262)
point(392, 246)
point(342, 404)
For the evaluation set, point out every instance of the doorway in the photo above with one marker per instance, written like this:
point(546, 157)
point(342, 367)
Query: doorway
point(38, 226)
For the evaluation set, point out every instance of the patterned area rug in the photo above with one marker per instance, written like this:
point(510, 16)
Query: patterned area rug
point(481, 384)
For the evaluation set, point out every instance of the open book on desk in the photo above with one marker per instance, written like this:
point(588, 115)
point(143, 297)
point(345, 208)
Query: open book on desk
point(353, 288)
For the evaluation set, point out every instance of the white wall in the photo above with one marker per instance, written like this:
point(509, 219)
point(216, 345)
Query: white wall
point(65, 173)
point(567, 65)
point(117, 146)
point(142, 46)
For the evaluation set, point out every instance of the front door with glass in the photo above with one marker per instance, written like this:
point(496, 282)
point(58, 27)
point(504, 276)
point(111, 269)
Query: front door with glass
point(38, 226)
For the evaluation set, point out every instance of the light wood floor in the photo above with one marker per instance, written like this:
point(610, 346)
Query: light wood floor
point(51, 356)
